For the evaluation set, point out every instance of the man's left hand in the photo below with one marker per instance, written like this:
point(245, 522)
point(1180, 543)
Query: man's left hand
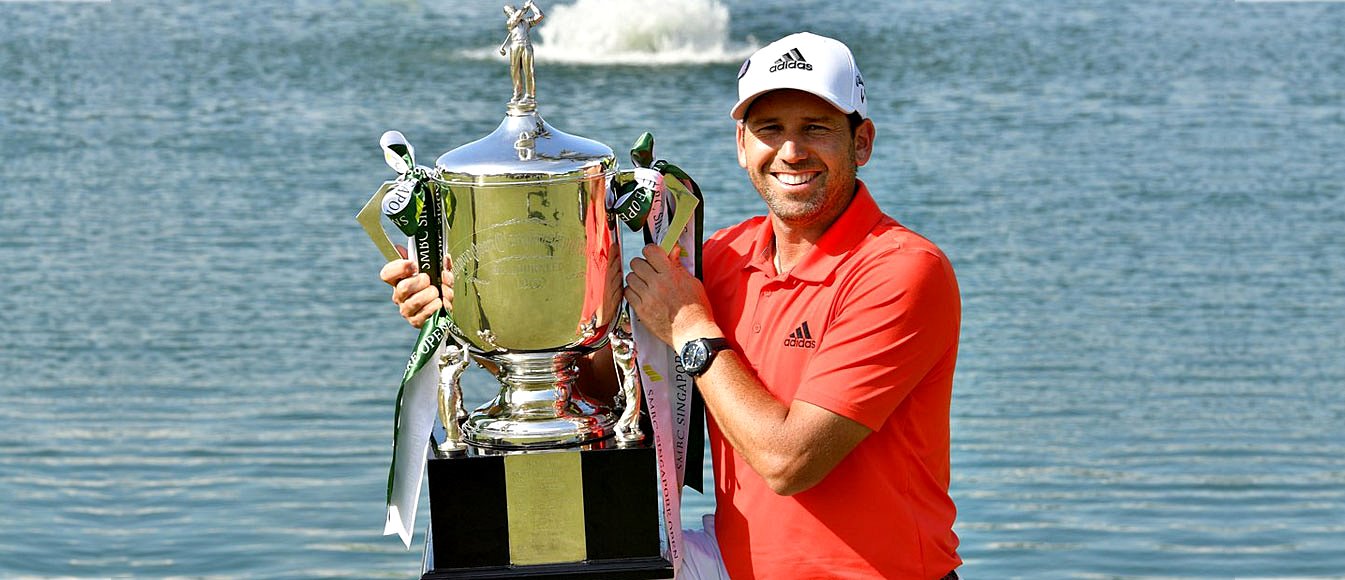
point(670, 302)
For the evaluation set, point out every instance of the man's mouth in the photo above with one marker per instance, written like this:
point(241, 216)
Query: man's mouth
point(794, 178)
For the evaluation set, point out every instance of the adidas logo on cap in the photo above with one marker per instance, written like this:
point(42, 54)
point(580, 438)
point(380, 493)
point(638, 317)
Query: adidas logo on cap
point(791, 59)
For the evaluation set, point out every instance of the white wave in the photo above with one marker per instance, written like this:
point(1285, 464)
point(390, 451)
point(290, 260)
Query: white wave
point(636, 32)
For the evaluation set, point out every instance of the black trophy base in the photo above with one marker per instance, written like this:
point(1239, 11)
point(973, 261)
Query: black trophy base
point(623, 569)
point(520, 516)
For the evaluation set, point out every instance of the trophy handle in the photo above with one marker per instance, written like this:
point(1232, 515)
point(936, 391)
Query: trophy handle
point(369, 220)
point(404, 208)
point(686, 208)
point(636, 195)
point(624, 355)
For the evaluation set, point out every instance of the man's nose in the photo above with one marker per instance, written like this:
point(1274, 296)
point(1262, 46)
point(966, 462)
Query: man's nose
point(792, 150)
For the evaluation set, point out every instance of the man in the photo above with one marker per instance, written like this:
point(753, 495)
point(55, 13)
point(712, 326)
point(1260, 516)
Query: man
point(823, 340)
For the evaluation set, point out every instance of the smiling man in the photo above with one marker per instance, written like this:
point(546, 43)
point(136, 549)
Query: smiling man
point(823, 339)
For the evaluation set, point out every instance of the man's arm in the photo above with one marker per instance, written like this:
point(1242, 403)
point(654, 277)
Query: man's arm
point(537, 15)
point(792, 447)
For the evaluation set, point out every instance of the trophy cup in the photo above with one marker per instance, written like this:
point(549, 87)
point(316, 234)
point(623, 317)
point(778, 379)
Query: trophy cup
point(544, 480)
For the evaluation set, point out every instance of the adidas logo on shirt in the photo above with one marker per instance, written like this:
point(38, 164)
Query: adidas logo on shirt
point(791, 59)
point(801, 338)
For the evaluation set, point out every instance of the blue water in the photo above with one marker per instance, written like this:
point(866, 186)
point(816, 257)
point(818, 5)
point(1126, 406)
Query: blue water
point(1143, 201)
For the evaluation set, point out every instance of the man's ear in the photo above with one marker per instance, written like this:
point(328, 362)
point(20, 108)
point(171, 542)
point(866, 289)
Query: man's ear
point(864, 135)
point(742, 134)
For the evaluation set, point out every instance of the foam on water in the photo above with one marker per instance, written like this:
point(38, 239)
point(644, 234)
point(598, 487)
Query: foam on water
point(636, 32)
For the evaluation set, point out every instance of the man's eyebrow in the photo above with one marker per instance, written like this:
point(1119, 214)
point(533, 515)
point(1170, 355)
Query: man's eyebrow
point(766, 120)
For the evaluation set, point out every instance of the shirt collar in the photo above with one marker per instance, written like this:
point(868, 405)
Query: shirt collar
point(839, 240)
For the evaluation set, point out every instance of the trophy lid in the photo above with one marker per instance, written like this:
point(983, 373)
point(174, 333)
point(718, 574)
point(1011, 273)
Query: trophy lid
point(524, 148)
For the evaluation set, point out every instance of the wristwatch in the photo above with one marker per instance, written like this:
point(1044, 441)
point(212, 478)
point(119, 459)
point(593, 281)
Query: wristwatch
point(698, 354)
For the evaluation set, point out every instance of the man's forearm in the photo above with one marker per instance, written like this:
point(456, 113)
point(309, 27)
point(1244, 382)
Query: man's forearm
point(598, 375)
point(792, 447)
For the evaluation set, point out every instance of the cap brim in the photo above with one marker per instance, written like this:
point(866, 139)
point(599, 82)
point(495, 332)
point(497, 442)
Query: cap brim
point(740, 109)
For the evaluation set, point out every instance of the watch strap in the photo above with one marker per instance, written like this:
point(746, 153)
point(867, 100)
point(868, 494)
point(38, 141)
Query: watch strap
point(712, 347)
point(716, 344)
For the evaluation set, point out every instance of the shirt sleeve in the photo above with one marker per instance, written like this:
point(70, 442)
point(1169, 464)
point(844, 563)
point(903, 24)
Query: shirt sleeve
point(892, 322)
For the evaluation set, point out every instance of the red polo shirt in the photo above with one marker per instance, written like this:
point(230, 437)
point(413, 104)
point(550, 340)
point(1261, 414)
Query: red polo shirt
point(866, 326)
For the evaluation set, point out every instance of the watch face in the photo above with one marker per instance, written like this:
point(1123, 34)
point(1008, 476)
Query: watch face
point(694, 355)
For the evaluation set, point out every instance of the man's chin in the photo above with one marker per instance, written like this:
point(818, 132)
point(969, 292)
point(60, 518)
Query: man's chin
point(795, 213)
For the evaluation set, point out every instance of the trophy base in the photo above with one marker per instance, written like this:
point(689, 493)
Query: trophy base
point(574, 513)
point(626, 569)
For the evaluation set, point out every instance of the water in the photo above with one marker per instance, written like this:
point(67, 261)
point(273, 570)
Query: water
point(1143, 201)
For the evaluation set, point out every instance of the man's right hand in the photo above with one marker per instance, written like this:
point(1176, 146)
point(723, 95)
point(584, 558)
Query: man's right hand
point(412, 291)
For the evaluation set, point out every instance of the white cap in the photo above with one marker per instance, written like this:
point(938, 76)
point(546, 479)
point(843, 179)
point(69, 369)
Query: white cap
point(807, 62)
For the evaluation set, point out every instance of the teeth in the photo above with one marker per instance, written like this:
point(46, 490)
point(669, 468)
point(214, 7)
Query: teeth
point(794, 179)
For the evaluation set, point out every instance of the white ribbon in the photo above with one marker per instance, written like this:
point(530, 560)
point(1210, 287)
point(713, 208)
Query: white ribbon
point(667, 389)
point(416, 420)
point(419, 404)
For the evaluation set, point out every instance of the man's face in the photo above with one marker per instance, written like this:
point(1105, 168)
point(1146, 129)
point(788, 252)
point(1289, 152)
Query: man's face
point(800, 154)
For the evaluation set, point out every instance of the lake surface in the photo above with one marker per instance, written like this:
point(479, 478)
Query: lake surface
point(1143, 201)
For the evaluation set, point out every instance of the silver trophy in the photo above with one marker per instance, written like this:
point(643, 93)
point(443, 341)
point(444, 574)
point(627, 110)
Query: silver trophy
point(525, 219)
point(537, 275)
point(544, 479)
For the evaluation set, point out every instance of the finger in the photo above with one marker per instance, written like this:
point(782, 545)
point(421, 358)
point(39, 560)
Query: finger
point(402, 250)
point(447, 293)
point(636, 283)
point(418, 319)
point(446, 283)
point(408, 287)
point(416, 303)
point(397, 270)
point(657, 258)
point(633, 296)
point(642, 267)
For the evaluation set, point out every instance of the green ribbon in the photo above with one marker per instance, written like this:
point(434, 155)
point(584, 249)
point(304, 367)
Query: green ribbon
point(642, 152)
point(405, 205)
point(427, 237)
point(683, 179)
point(633, 200)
